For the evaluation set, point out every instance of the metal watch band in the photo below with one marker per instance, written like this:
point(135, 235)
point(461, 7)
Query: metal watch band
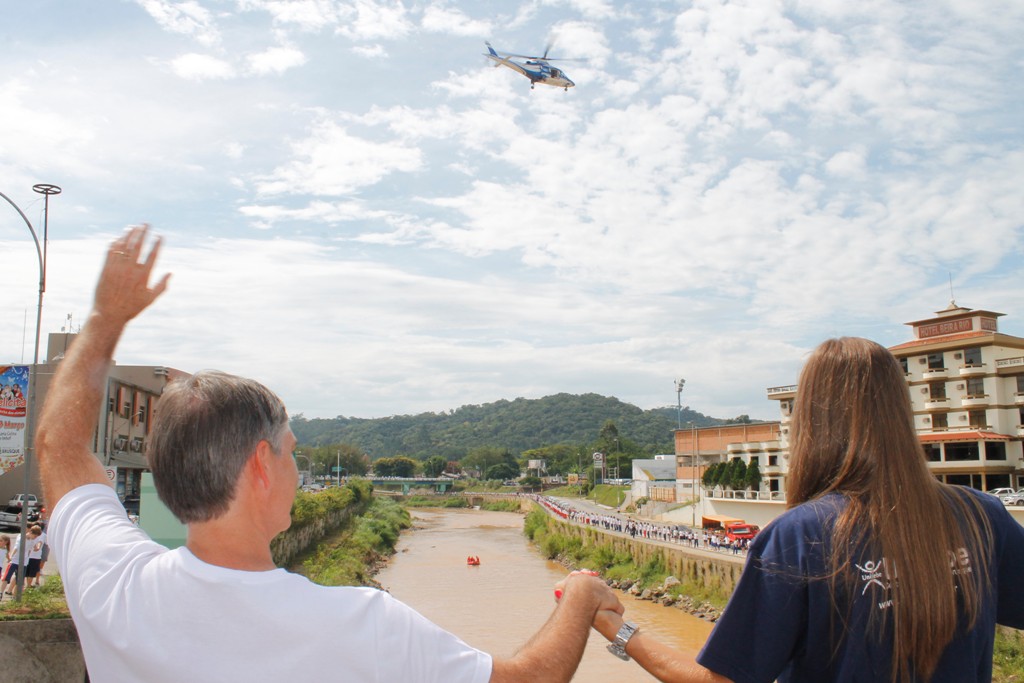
point(618, 646)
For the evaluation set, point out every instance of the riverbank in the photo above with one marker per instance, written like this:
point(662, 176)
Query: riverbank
point(651, 581)
point(647, 579)
point(354, 553)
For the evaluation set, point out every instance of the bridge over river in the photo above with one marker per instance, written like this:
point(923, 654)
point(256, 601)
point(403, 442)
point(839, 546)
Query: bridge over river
point(439, 484)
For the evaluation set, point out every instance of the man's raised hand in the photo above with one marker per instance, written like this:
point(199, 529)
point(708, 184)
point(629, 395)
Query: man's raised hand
point(123, 290)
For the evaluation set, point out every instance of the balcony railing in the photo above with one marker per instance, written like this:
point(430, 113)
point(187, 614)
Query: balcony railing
point(762, 496)
point(788, 389)
point(975, 400)
point(972, 370)
point(935, 373)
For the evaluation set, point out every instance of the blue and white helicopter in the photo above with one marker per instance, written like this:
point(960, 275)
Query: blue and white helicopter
point(536, 69)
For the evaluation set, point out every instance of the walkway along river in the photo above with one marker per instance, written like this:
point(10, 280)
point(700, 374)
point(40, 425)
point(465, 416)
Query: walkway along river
point(500, 604)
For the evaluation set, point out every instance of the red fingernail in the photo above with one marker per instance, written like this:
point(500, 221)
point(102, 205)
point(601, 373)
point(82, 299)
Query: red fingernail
point(558, 594)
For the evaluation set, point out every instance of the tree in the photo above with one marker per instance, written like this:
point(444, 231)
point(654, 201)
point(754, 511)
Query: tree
point(713, 474)
point(502, 471)
point(483, 458)
point(753, 475)
point(434, 466)
point(530, 482)
point(736, 474)
point(399, 466)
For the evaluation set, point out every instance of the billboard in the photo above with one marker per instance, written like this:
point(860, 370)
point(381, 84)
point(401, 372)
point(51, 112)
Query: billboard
point(13, 415)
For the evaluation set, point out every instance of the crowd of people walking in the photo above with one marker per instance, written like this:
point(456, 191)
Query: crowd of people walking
point(704, 539)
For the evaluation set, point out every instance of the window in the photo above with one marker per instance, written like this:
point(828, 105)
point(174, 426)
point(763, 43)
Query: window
point(903, 364)
point(977, 418)
point(975, 387)
point(995, 450)
point(961, 451)
point(1020, 384)
point(940, 421)
point(773, 460)
point(937, 391)
point(933, 452)
point(972, 356)
point(935, 361)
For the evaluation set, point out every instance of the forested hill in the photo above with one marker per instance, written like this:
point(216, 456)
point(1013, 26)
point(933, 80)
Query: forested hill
point(517, 426)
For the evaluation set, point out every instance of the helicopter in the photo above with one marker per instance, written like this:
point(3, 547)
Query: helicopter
point(536, 69)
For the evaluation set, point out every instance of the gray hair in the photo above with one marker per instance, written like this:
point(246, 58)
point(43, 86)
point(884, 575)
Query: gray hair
point(204, 430)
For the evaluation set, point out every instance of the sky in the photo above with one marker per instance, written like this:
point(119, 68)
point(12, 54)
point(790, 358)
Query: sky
point(363, 213)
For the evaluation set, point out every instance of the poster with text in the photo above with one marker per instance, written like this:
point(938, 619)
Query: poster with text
point(13, 415)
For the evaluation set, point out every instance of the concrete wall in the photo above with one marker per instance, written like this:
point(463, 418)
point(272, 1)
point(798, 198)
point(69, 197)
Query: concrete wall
point(720, 572)
point(40, 651)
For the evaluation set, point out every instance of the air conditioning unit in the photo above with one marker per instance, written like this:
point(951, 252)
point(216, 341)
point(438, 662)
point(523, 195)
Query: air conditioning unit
point(960, 386)
point(922, 361)
point(136, 445)
point(963, 418)
point(927, 419)
point(121, 443)
point(924, 390)
point(958, 355)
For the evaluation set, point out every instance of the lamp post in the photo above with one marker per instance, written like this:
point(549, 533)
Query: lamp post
point(679, 403)
point(46, 190)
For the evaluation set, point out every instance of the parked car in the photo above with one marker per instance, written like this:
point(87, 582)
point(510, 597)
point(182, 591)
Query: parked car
point(999, 493)
point(1013, 498)
point(17, 500)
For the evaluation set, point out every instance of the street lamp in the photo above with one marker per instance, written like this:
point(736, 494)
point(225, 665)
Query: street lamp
point(46, 190)
point(679, 402)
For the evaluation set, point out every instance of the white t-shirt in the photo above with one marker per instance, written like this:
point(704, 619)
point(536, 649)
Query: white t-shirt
point(146, 613)
point(36, 551)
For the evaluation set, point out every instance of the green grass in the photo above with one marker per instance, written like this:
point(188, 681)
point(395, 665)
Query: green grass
point(609, 495)
point(45, 602)
point(351, 556)
point(1008, 656)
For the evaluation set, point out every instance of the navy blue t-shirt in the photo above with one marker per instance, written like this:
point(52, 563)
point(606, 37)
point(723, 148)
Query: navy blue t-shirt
point(780, 625)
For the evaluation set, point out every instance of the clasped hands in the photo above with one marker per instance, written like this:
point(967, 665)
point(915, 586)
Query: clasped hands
point(608, 617)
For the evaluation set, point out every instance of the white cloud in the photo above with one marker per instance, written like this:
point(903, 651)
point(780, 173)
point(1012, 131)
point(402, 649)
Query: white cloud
point(332, 162)
point(310, 15)
point(375, 51)
point(444, 19)
point(197, 67)
point(372, 20)
point(186, 18)
point(276, 60)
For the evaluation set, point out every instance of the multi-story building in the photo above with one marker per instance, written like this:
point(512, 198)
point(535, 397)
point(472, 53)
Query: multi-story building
point(122, 426)
point(966, 384)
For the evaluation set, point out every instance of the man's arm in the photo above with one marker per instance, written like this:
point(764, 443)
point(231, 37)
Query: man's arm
point(554, 652)
point(68, 418)
point(661, 661)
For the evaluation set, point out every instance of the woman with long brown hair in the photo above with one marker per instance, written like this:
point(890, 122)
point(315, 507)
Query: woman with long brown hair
point(877, 571)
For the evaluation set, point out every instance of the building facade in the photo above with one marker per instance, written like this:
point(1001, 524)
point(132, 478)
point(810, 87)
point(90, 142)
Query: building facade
point(122, 426)
point(966, 386)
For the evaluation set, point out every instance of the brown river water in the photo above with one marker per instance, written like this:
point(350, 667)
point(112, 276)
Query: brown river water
point(497, 606)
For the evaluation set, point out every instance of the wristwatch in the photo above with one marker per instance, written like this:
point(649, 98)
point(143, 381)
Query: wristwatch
point(618, 646)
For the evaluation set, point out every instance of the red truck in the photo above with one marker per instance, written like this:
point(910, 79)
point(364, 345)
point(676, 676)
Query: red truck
point(740, 530)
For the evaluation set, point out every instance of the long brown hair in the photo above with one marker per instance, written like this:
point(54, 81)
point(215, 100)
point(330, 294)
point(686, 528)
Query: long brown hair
point(853, 433)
